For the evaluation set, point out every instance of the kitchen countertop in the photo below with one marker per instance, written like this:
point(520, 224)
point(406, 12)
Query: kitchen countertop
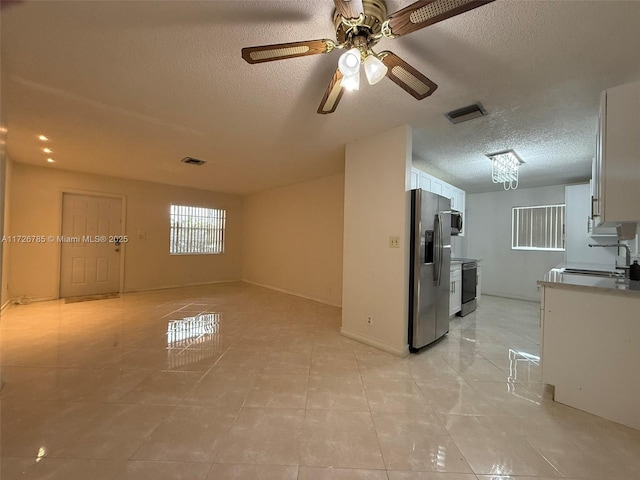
point(465, 260)
point(610, 285)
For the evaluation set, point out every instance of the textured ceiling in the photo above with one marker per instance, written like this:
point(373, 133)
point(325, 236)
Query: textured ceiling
point(128, 88)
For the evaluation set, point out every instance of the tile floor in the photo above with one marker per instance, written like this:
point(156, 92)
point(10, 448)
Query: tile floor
point(260, 385)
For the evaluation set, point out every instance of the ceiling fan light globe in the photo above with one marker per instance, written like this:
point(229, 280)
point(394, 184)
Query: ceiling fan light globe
point(349, 62)
point(351, 82)
point(374, 69)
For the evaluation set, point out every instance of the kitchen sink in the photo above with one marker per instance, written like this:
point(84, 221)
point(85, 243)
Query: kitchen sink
point(593, 273)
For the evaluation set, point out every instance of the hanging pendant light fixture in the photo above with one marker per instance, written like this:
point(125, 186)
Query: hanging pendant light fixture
point(349, 65)
point(504, 168)
point(374, 69)
point(349, 62)
point(351, 82)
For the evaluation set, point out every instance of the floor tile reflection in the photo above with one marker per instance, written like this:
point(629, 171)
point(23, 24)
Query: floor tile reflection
point(235, 381)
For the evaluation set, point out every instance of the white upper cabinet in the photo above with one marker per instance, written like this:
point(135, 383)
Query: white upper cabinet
point(436, 185)
point(420, 179)
point(447, 192)
point(593, 229)
point(415, 179)
point(616, 168)
point(578, 235)
point(458, 200)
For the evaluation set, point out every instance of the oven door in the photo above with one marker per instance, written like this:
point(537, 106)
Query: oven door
point(469, 273)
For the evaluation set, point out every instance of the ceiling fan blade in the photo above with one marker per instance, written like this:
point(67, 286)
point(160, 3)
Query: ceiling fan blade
point(333, 94)
point(427, 12)
point(282, 51)
point(349, 8)
point(407, 77)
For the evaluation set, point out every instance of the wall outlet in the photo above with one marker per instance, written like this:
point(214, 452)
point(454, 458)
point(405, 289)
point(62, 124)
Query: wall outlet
point(394, 242)
point(369, 320)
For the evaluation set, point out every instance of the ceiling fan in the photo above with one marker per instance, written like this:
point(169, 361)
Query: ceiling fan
point(360, 25)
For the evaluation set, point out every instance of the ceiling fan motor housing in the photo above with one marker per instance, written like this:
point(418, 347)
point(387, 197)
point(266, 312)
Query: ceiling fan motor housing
point(375, 13)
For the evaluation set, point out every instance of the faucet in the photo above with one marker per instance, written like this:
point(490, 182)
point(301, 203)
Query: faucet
point(627, 258)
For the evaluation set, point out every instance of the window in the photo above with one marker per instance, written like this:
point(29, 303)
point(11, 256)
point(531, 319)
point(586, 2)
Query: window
point(538, 228)
point(196, 230)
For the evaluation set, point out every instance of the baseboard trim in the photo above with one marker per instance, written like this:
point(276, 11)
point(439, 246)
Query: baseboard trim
point(26, 300)
point(6, 305)
point(167, 287)
point(400, 352)
point(296, 294)
point(512, 297)
point(16, 300)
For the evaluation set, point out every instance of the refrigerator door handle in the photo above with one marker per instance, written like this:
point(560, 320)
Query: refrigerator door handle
point(436, 251)
point(438, 246)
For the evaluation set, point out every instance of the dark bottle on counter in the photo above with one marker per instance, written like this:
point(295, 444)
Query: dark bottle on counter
point(634, 271)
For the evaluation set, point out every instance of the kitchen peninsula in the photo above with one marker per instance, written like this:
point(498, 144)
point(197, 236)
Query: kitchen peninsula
point(590, 345)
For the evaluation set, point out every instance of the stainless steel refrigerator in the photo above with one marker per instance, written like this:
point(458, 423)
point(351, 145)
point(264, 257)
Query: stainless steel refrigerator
point(430, 257)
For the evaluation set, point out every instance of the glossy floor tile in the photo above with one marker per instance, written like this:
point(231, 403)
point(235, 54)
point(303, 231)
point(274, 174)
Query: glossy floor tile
point(340, 439)
point(234, 381)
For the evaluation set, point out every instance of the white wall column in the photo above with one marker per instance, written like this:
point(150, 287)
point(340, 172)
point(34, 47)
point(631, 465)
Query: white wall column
point(376, 207)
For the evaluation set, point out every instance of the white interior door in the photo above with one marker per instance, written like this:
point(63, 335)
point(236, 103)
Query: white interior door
point(90, 255)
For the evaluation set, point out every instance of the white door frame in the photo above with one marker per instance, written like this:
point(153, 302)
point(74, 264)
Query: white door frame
point(123, 250)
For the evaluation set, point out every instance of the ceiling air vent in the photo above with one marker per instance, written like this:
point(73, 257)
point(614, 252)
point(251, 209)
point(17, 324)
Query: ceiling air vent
point(193, 161)
point(466, 113)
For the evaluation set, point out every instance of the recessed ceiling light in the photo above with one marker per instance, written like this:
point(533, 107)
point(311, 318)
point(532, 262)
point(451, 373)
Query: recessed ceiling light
point(47, 150)
point(51, 160)
point(43, 138)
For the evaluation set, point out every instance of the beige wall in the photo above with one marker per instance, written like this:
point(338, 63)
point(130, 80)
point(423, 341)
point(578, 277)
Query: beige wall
point(293, 239)
point(375, 277)
point(35, 209)
point(5, 184)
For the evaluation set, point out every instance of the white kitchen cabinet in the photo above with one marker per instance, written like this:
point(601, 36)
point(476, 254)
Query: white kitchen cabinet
point(447, 191)
point(478, 283)
point(455, 289)
point(420, 179)
point(436, 185)
point(590, 350)
point(577, 233)
point(455, 195)
point(593, 229)
point(415, 179)
point(616, 167)
point(459, 200)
